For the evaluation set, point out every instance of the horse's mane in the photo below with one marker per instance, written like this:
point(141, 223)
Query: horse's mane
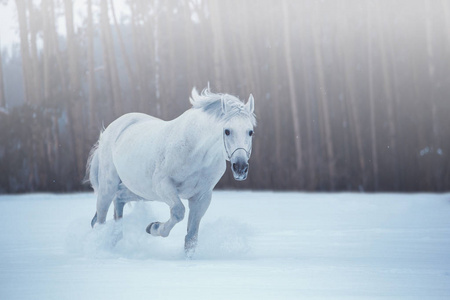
point(212, 104)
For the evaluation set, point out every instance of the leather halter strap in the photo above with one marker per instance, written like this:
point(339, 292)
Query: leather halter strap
point(248, 152)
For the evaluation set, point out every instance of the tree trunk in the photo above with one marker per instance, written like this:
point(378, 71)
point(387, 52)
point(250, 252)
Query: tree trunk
point(247, 52)
point(436, 141)
point(141, 85)
point(24, 49)
point(373, 129)
point(129, 69)
point(35, 71)
point(387, 89)
point(291, 86)
point(324, 106)
point(92, 88)
point(47, 49)
point(156, 61)
point(75, 107)
point(217, 50)
point(2, 86)
point(109, 60)
point(277, 117)
point(60, 79)
point(400, 140)
point(347, 54)
point(191, 58)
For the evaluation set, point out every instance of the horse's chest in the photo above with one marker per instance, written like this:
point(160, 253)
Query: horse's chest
point(201, 180)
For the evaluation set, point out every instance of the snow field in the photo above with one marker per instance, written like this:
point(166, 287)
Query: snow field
point(252, 245)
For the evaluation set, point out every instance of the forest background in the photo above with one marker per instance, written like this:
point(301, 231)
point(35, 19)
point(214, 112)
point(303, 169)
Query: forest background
point(349, 95)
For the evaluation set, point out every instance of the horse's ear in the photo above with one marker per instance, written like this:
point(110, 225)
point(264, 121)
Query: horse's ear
point(224, 104)
point(250, 106)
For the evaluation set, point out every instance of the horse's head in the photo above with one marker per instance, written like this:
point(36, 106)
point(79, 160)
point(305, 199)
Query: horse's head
point(237, 136)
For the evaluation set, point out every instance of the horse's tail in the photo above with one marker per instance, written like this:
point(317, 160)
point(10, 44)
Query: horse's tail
point(92, 166)
point(91, 176)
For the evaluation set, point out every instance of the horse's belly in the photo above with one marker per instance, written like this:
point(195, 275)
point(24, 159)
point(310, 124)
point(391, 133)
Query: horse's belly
point(134, 156)
point(135, 176)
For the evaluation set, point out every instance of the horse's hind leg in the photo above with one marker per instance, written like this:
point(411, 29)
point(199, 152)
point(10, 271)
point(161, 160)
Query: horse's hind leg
point(103, 202)
point(118, 209)
point(119, 202)
point(123, 196)
point(108, 187)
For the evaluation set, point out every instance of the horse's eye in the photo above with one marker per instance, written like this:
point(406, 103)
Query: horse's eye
point(227, 132)
point(250, 133)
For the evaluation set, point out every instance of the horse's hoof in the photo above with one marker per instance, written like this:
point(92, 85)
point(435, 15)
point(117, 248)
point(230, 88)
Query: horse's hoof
point(94, 220)
point(149, 227)
point(189, 251)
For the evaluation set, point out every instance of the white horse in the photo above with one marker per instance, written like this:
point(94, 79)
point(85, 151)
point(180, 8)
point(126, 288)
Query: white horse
point(140, 157)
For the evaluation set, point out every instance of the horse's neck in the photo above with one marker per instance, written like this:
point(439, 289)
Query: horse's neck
point(202, 130)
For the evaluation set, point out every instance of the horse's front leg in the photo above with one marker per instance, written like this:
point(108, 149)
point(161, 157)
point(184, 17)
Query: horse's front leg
point(197, 208)
point(177, 210)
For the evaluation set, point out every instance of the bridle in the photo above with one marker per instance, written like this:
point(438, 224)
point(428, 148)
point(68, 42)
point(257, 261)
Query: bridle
point(248, 152)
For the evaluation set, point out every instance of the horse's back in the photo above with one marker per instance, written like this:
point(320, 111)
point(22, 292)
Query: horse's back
point(133, 127)
point(121, 124)
point(119, 127)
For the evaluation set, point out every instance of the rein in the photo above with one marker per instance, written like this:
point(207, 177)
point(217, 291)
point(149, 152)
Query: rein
point(248, 152)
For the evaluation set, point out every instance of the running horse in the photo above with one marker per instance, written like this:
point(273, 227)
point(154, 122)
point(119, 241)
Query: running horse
point(140, 157)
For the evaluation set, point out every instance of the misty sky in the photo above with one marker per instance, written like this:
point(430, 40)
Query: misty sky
point(9, 31)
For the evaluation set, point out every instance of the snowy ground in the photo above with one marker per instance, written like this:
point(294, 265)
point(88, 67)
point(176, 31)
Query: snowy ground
point(253, 245)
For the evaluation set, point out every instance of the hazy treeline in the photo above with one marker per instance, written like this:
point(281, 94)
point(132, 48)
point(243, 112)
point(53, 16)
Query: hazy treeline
point(349, 95)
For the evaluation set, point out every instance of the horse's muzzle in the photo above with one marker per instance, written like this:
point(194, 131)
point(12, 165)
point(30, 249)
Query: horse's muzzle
point(240, 170)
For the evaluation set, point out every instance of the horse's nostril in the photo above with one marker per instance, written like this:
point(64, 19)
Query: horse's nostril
point(240, 167)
